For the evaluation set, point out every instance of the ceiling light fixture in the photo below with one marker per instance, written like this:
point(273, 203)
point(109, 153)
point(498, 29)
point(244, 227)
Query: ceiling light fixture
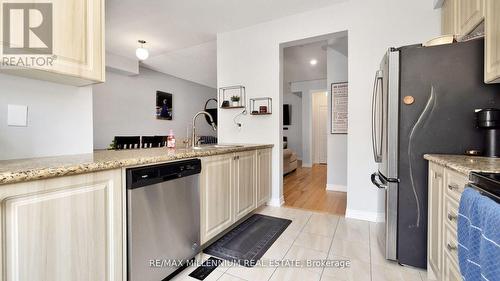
point(141, 52)
point(313, 62)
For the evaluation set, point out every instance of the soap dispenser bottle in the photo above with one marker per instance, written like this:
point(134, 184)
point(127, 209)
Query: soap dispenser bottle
point(171, 139)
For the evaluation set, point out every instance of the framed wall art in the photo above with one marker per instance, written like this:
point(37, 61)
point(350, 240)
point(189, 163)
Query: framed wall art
point(339, 99)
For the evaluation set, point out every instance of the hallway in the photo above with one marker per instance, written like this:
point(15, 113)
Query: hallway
point(306, 189)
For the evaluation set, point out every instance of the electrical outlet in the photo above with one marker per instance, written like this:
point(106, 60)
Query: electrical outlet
point(17, 115)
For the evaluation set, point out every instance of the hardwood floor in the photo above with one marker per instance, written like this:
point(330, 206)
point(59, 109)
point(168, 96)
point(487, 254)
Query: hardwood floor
point(306, 189)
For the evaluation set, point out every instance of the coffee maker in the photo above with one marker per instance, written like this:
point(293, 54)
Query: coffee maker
point(489, 120)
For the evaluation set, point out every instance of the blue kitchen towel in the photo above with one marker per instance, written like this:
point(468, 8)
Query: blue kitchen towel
point(478, 237)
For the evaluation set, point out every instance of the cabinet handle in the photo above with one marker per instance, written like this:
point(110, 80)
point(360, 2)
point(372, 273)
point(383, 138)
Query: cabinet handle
point(452, 187)
point(451, 247)
point(452, 217)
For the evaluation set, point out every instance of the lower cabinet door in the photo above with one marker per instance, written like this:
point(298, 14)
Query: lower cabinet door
point(216, 182)
point(245, 184)
point(263, 176)
point(63, 229)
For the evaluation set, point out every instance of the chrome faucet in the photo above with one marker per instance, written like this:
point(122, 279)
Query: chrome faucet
point(194, 138)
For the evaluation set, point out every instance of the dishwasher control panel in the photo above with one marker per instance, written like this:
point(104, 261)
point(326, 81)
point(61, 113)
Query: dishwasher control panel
point(143, 176)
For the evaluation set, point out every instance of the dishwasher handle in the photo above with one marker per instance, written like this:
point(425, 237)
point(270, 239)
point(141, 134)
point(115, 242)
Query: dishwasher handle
point(150, 175)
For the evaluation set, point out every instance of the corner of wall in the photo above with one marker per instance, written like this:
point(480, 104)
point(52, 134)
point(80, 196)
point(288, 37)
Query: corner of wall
point(336, 187)
point(365, 215)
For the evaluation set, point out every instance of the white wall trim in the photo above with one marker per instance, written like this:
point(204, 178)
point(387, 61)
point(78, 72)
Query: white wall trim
point(276, 202)
point(364, 215)
point(307, 165)
point(336, 187)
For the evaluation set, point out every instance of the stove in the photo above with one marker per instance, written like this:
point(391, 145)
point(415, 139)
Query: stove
point(487, 183)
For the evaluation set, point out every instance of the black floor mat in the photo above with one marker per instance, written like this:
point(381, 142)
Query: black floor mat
point(248, 242)
point(206, 268)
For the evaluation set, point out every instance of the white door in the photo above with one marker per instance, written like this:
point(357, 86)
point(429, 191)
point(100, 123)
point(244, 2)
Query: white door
point(320, 127)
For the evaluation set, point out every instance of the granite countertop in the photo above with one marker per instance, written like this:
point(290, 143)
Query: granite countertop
point(466, 164)
point(20, 170)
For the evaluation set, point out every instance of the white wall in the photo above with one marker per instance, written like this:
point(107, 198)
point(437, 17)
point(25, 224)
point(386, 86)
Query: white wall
point(125, 105)
point(294, 132)
point(59, 119)
point(337, 144)
point(251, 57)
point(308, 88)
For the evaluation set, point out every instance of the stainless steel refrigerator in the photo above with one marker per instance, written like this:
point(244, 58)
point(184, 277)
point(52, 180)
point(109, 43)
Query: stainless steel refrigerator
point(424, 101)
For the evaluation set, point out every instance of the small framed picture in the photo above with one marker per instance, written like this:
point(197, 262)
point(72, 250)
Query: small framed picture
point(164, 109)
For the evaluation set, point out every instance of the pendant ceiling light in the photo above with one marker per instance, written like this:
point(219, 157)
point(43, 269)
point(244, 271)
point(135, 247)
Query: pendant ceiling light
point(141, 52)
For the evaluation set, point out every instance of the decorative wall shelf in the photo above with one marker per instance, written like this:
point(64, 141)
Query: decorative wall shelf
point(261, 106)
point(232, 97)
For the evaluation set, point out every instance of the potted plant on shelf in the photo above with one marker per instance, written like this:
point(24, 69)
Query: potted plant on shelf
point(235, 101)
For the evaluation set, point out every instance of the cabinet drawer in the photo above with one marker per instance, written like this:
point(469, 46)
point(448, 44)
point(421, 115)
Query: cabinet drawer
point(451, 212)
point(450, 245)
point(454, 184)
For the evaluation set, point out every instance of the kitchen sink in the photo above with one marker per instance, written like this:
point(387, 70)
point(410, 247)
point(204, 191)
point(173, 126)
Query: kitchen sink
point(215, 146)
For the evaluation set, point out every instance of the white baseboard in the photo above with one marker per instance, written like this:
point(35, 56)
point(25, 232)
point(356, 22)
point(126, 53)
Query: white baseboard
point(336, 187)
point(276, 202)
point(364, 215)
point(307, 165)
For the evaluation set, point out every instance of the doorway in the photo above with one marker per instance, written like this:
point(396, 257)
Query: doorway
point(314, 164)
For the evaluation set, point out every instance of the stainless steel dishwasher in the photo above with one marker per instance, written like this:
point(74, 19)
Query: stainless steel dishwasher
point(163, 216)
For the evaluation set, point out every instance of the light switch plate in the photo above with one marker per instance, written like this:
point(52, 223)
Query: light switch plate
point(17, 115)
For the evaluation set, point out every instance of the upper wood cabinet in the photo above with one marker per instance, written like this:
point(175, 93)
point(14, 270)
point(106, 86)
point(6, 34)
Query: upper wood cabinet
point(77, 38)
point(68, 228)
point(470, 13)
point(492, 42)
point(449, 17)
point(461, 17)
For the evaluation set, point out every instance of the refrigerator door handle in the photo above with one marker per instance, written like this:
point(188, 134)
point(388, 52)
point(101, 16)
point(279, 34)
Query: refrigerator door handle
point(376, 146)
point(376, 183)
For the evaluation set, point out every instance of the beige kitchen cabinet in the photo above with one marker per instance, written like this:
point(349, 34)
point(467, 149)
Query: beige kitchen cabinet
point(492, 41)
point(216, 193)
point(435, 217)
point(470, 13)
point(68, 228)
point(264, 158)
point(444, 191)
point(245, 183)
point(449, 17)
point(231, 187)
point(78, 44)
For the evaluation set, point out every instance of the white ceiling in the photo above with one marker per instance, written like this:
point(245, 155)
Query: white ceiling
point(197, 63)
point(170, 26)
point(297, 58)
point(297, 64)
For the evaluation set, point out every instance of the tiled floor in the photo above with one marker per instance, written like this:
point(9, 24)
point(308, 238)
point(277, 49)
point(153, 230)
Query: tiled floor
point(317, 236)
